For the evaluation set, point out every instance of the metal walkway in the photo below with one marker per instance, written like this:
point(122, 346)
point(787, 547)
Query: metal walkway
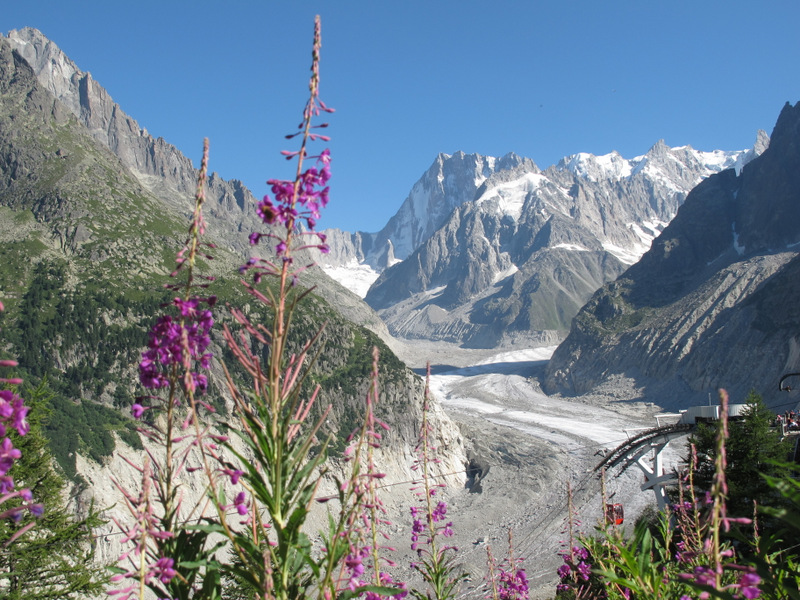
point(645, 438)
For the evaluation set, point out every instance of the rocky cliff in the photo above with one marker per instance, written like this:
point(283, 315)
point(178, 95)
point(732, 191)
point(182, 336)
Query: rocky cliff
point(157, 165)
point(713, 303)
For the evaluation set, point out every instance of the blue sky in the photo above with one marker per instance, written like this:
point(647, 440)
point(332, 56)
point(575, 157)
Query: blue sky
point(414, 78)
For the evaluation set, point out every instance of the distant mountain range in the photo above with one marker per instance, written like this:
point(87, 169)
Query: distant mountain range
point(484, 252)
point(487, 251)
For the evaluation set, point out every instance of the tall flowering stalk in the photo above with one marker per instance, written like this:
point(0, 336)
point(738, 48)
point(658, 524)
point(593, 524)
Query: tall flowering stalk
point(170, 557)
point(355, 540)
point(284, 454)
point(575, 574)
point(508, 581)
point(720, 575)
point(436, 561)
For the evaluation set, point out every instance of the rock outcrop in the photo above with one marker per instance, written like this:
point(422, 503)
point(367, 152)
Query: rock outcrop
point(157, 165)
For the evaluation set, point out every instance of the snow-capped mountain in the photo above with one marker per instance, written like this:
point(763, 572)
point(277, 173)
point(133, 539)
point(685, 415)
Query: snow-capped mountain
point(356, 259)
point(522, 248)
point(664, 175)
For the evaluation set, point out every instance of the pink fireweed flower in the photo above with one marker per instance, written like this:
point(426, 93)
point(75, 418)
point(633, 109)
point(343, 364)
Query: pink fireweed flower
point(240, 504)
point(163, 569)
point(178, 343)
point(300, 199)
point(8, 454)
point(13, 411)
point(512, 585)
point(303, 198)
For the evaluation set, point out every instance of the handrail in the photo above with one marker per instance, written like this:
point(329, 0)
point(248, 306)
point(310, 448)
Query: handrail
point(639, 440)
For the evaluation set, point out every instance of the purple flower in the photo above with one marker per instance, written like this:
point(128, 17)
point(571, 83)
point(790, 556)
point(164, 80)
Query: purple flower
point(580, 552)
point(234, 474)
point(355, 566)
point(175, 343)
point(240, 502)
point(8, 454)
point(584, 570)
point(512, 585)
point(163, 569)
point(748, 585)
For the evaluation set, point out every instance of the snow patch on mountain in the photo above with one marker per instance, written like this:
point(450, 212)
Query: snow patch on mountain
point(572, 247)
point(511, 195)
point(595, 168)
point(354, 276)
point(626, 256)
point(505, 274)
point(647, 231)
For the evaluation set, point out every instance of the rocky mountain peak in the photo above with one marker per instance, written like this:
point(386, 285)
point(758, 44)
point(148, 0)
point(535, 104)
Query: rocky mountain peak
point(530, 248)
point(159, 166)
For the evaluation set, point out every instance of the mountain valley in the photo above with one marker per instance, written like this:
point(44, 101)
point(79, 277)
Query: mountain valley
point(558, 308)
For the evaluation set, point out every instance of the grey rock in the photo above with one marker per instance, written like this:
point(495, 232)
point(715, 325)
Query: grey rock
point(159, 166)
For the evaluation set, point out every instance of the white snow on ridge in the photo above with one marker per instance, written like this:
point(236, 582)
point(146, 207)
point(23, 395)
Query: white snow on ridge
point(573, 247)
point(354, 276)
point(511, 195)
point(434, 292)
point(647, 231)
point(594, 168)
point(626, 256)
point(502, 275)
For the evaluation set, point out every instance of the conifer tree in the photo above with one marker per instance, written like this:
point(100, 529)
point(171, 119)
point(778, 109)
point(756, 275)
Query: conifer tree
point(752, 449)
point(55, 558)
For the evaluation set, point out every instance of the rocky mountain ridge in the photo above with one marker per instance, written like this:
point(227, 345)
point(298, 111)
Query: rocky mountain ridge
point(162, 169)
point(86, 250)
point(157, 165)
point(521, 257)
point(713, 302)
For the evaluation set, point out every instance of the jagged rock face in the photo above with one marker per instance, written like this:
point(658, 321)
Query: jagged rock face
point(158, 165)
point(449, 182)
point(520, 259)
point(713, 303)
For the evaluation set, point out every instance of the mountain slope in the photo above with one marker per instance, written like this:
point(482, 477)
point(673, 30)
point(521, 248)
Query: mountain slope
point(157, 165)
point(162, 169)
point(520, 259)
point(86, 250)
point(357, 258)
point(714, 301)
